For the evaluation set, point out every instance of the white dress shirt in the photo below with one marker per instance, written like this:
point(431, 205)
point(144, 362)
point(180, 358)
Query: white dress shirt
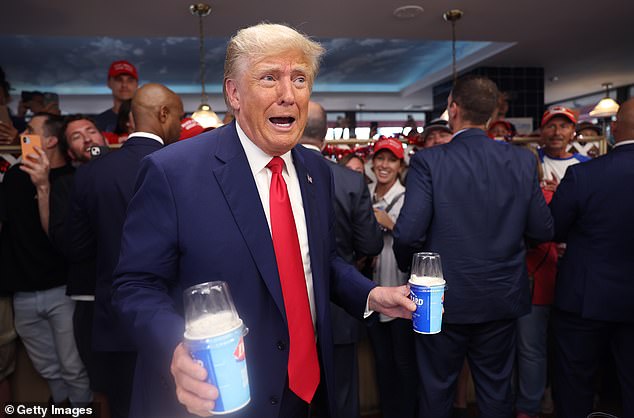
point(627, 142)
point(147, 135)
point(258, 160)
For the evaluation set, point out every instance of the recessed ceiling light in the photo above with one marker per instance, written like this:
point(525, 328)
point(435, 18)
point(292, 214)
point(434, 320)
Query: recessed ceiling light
point(553, 79)
point(408, 12)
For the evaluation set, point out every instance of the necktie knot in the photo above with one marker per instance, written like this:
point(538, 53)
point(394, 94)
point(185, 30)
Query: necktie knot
point(275, 165)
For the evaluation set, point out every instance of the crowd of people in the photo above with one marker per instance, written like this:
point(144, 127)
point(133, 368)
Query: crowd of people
point(97, 248)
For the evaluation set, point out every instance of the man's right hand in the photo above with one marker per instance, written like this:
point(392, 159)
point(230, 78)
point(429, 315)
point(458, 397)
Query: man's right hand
point(198, 396)
point(550, 185)
point(38, 168)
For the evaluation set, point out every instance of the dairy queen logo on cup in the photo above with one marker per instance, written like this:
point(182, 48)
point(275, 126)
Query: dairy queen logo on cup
point(418, 301)
point(427, 293)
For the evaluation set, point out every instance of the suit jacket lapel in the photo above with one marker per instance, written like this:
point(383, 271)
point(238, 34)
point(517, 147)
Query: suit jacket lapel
point(238, 187)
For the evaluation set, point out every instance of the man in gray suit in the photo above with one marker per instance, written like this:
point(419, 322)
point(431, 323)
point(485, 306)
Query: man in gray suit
point(358, 235)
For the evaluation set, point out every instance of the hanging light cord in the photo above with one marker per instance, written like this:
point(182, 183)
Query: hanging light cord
point(453, 51)
point(202, 57)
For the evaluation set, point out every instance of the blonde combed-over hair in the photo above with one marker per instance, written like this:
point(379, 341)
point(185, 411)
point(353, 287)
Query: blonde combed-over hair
point(266, 40)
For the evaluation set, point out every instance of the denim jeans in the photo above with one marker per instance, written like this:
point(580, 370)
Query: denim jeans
point(44, 322)
point(532, 354)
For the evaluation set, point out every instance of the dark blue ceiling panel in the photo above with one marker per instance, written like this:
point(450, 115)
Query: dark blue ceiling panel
point(71, 65)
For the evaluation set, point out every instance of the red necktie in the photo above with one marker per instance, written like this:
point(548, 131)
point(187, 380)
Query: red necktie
point(303, 365)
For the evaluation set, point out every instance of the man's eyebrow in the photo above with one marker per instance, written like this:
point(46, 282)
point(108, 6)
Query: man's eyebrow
point(267, 68)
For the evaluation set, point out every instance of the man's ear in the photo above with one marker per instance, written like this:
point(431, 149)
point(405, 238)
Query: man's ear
point(51, 142)
point(110, 83)
point(163, 113)
point(453, 110)
point(131, 123)
point(232, 93)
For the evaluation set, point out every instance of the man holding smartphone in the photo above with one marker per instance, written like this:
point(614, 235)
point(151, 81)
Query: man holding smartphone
point(35, 272)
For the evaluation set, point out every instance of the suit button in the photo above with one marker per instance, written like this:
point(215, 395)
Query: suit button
point(281, 345)
point(273, 400)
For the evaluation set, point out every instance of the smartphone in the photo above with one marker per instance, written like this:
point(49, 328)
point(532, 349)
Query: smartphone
point(27, 96)
point(51, 98)
point(28, 142)
point(96, 151)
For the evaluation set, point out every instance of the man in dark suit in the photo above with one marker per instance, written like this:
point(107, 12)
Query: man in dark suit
point(358, 235)
point(474, 201)
point(592, 209)
point(102, 190)
point(209, 209)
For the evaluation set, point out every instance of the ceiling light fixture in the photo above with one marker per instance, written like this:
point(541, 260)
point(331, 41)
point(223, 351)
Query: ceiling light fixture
point(607, 107)
point(408, 12)
point(453, 16)
point(205, 116)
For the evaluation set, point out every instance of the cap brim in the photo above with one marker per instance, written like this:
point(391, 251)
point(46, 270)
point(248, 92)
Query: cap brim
point(558, 115)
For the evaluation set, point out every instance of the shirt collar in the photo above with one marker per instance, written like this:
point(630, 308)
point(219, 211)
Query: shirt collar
point(312, 147)
point(396, 188)
point(147, 135)
point(257, 158)
point(618, 144)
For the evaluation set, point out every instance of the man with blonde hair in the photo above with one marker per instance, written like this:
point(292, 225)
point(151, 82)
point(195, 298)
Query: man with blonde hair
point(251, 209)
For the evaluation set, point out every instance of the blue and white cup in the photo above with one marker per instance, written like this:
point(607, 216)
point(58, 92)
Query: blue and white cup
point(427, 289)
point(214, 336)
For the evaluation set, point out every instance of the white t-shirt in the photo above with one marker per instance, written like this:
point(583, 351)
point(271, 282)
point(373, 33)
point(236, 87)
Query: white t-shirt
point(555, 168)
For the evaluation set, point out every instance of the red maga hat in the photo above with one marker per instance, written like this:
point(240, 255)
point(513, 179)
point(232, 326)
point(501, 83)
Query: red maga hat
point(558, 111)
point(122, 67)
point(390, 144)
point(190, 128)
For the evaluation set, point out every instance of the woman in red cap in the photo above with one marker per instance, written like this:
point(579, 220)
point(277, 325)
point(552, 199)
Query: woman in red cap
point(392, 339)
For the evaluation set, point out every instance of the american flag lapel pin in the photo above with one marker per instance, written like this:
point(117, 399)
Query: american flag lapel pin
point(309, 178)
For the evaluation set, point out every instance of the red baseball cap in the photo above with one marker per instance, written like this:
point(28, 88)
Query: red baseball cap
point(391, 144)
point(558, 111)
point(190, 128)
point(122, 67)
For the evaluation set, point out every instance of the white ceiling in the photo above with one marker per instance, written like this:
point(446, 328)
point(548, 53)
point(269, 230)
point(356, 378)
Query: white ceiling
point(582, 43)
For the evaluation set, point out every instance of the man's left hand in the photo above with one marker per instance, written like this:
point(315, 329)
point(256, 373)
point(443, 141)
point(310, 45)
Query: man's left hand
point(392, 301)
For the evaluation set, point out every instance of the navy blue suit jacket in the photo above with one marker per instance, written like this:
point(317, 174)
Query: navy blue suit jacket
point(593, 210)
point(102, 191)
point(474, 201)
point(196, 216)
point(357, 234)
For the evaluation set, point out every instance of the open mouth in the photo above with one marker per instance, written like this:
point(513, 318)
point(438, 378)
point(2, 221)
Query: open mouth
point(283, 122)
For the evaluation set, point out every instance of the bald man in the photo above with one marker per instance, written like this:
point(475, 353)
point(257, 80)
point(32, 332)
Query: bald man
point(595, 287)
point(101, 194)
